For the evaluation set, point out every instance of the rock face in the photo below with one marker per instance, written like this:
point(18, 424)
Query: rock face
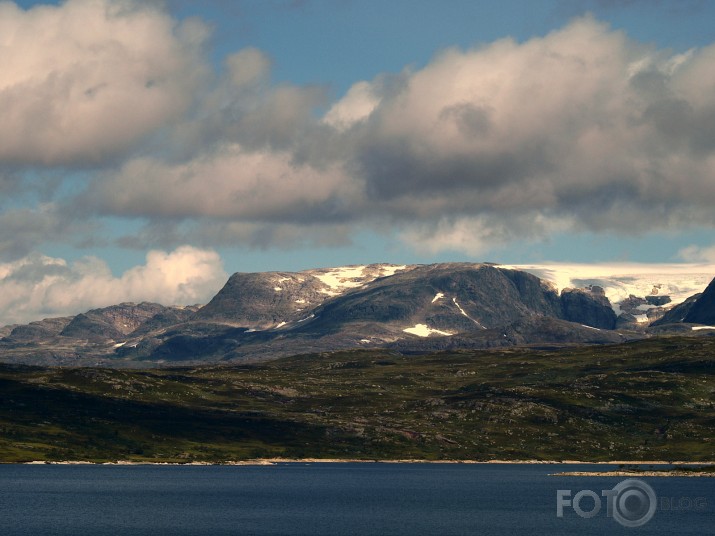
point(658, 301)
point(41, 329)
point(167, 317)
point(446, 297)
point(589, 307)
point(114, 322)
point(265, 300)
point(678, 313)
point(702, 311)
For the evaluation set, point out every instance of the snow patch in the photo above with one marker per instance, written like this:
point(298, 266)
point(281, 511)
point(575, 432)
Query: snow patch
point(388, 270)
point(465, 314)
point(423, 330)
point(698, 328)
point(280, 325)
point(646, 307)
point(437, 296)
point(346, 277)
point(278, 289)
point(119, 344)
point(590, 327)
point(339, 279)
point(620, 280)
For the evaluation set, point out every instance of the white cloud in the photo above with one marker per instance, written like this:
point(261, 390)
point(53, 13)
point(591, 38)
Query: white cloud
point(581, 129)
point(231, 184)
point(38, 286)
point(582, 125)
point(355, 106)
point(247, 67)
point(86, 80)
point(694, 253)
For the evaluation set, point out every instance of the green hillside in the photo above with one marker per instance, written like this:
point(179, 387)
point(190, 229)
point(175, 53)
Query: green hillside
point(648, 400)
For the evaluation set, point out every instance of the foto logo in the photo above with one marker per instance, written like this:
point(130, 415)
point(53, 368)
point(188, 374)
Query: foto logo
point(631, 503)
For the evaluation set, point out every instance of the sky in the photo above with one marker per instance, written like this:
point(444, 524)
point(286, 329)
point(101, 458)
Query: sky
point(150, 149)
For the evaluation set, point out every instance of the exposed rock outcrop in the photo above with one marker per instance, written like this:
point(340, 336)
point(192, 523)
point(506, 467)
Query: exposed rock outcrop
point(589, 307)
point(114, 322)
point(702, 311)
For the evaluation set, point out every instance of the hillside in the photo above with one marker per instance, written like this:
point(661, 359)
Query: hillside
point(648, 400)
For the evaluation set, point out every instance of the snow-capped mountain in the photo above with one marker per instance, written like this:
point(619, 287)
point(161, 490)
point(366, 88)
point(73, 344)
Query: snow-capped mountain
point(657, 285)
point(403, 307)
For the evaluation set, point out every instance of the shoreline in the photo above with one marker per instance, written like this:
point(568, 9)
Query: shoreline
point(275, 461)
point(667, 473)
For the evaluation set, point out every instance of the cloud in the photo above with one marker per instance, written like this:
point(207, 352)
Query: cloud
point(581, 125)
point(477, 235)
point(86, 80)
point(226, 233)
point(38, 286)
point(354, 107)
point(694, 253)
point(232, 184)
point(23, 229)
point(582, 129)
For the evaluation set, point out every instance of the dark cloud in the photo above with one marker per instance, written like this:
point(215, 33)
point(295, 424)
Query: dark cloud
point(24, 229)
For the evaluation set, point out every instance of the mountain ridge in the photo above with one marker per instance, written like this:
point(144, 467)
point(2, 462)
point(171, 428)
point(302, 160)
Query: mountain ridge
point(412, 308)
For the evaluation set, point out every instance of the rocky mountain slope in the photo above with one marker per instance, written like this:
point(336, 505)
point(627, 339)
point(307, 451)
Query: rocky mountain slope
point(416, 308)
point(702, 310)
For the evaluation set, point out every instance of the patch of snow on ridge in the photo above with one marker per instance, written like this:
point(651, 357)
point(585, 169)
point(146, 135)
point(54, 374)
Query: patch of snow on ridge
point(620, 280)
point(339, 279)
point(423, 330)
point(387, 270)
point(343, 278)
point(437, 296)
point(465, 314)
point(698, 328)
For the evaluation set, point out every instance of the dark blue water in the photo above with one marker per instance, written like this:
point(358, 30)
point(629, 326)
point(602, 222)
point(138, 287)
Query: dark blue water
point(327, 499)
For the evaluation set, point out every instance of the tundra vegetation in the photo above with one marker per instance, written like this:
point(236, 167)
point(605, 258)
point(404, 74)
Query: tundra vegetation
point(652, 399)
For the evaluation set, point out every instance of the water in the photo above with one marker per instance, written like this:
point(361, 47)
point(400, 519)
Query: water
point(327, 499)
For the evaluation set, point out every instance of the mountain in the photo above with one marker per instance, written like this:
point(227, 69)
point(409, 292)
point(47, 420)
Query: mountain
point(41, 329)
point(417, 308)
point(677, 313)
point(268, 299)
point(702, 311)
point(114, 322)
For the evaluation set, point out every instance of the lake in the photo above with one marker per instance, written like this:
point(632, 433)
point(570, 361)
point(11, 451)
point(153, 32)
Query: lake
point(330, 499)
